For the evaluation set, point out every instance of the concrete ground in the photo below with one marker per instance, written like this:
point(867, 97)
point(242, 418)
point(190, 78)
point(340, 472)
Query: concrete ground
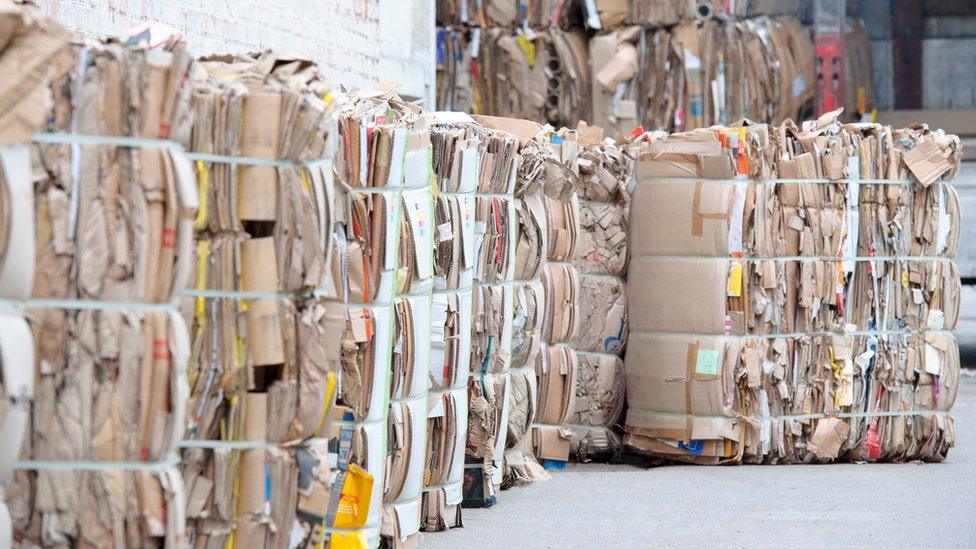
point(611, 506)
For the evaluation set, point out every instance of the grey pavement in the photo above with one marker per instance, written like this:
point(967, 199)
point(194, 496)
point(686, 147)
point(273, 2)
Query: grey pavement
point(851, 505)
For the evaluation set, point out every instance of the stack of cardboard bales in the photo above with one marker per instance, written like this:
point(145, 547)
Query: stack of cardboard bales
point(491, 312)
point(664, 64)
point(112, 231)
point(407, 417)
point(457, 150)
point(702, 72)
point(33, 50)
point(384, 149)
point(601, 258)
point(858, 72)
point(259, 368)
point(557, 364)
point(527, 310)
point(790, 321)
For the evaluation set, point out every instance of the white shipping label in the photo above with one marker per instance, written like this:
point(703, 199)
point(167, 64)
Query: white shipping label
point(417, 203)
point(933, 360)
point(735, 224)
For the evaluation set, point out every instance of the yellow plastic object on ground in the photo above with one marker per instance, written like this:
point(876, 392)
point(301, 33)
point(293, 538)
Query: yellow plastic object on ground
point(354, 498)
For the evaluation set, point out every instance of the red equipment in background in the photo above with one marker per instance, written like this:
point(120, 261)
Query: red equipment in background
point(828, 36)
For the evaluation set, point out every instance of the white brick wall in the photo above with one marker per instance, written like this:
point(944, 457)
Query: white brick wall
point(344, 36)
point(406, 30)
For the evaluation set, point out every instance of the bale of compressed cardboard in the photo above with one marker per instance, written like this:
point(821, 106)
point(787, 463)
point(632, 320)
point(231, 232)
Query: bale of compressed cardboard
point(794, 322)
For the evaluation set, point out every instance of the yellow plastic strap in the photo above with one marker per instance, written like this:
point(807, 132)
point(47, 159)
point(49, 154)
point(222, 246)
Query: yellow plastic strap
point(239, 352)
point(306, 182)
point(330, 384)
point(203, 186)
point(528, 48)
point(354, 499)
point(203, 253)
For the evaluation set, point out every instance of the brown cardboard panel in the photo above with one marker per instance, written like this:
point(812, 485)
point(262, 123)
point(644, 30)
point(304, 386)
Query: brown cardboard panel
point(258, 193)
point(680, 218)
point(552, 443)
point(678, 295)
point(672, 375)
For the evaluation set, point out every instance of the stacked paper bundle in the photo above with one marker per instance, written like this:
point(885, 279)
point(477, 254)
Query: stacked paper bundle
point(557, 363)
point(407, 417)
point(531, 246)
point(794, 321)
point(111, 235)
point(383, 148)
point(261, 352)
point(458, 144)
point(491, 312)
point(597, 14)
point(606, 173)
point(700, 73)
